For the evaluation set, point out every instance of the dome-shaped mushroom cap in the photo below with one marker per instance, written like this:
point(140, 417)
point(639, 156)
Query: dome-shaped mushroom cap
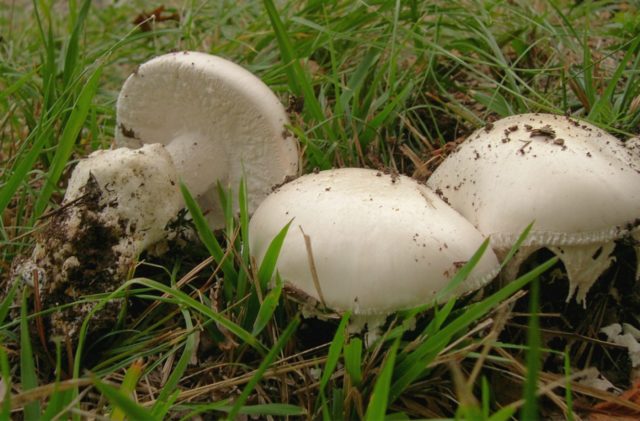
point(380, 243)
point(218, 121)
point(578, 184)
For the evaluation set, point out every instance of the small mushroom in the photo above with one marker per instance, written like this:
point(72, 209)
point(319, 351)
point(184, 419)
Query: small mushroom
point(217, 120)
point(582, 193)
point(109, 215)
point(367, 242)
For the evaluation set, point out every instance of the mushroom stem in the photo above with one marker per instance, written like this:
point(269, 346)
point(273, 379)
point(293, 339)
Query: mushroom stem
point(373, 324)
point(512, 268)
point(584, 265)
point(193, 158)
point(117, 204)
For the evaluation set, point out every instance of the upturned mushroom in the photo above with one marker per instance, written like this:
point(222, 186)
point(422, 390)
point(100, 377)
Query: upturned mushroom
point(188, 115)
point(367, 242)
point(578, 184)
point(109, 215)
point(218, 121)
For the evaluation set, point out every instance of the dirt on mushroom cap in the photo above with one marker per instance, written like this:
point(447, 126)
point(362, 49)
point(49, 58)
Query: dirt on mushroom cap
point(518, 171)
point(379, 243)
point(578, 184)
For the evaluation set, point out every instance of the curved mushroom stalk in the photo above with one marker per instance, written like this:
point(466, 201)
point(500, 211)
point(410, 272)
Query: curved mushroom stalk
point(584, 265)
point(117, 204)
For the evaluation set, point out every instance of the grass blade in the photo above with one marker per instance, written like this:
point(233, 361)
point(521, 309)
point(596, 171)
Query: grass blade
point(273, 409)
point(73, 46)
point(267, 307)
point(120, 400)
point(203, 309)
point(205, 233)
point(160, 408)
point(353, 360)
point(68, 140)
point(266, 362)
point(20, 172)
point(182, 298)
point(59, 399)
point(530, 408)
point(606, 99)
point(28, 377)
point(377, 408)
point(463, 273)
point(127, 387)
point(5, 306)
point(5, 410)
point(335, 349)
point(503, 414)
point(243, 204)
point(268, 265)
point(298, 80)
point(17, 85)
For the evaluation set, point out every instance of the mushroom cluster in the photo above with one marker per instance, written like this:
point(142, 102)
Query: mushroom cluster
point(578, 184)
point(188, 116)
point(360, 240)
point(355, 234)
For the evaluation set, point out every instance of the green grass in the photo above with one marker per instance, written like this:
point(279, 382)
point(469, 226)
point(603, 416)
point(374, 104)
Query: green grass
point(385, 84)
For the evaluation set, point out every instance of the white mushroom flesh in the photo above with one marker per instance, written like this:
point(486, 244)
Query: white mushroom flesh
point(579, 185)
point(139, 189)
point(379, 243)
point(218, 121)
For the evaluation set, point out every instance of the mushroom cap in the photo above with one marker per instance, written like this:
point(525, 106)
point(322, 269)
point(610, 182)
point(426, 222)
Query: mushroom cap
point(578, 183)
point(379, 243)
point(218, 121)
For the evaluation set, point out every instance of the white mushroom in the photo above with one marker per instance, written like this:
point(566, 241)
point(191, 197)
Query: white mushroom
point(218, 121)
point(579, 184)
point(378, 243)
point(111, 212)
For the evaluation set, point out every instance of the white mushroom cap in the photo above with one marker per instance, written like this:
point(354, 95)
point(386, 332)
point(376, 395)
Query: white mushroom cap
point(218, 121)
point(379, 243)
point(579, 184)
